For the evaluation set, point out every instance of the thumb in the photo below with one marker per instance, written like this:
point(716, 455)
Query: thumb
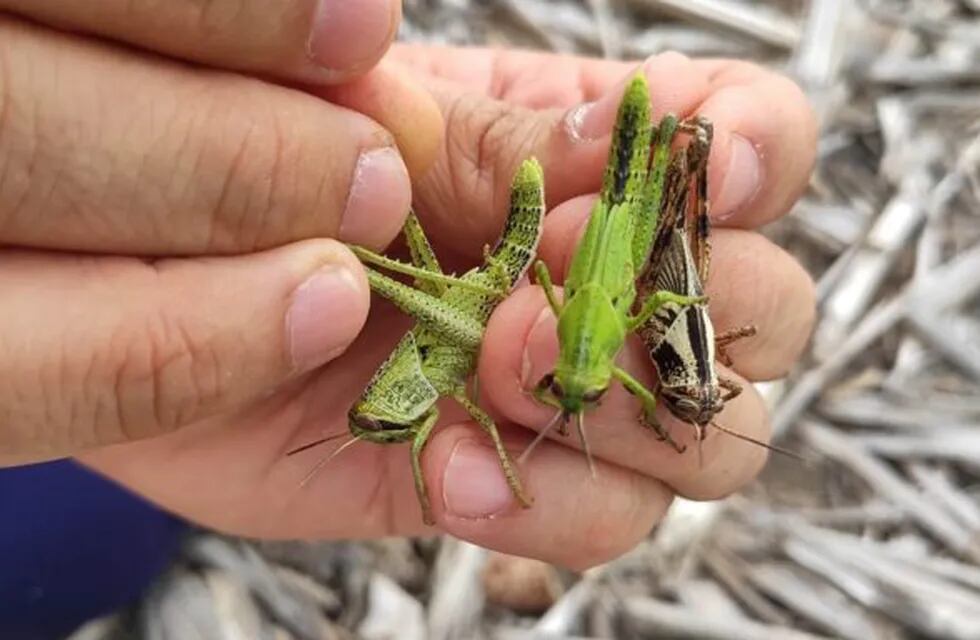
point(100, 350)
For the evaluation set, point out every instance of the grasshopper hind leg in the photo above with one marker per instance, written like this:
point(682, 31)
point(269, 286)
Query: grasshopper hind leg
point(726, 339)
point(488, 425)
point(733, 388)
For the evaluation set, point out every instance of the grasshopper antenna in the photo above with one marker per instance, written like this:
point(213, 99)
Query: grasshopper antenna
point(580, 425)
point(323, 461)
point(700, 436)
point(315, 443)
point(764, 445)
point(541, 435)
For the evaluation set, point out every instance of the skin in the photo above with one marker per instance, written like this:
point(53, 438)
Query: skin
point(218, 195)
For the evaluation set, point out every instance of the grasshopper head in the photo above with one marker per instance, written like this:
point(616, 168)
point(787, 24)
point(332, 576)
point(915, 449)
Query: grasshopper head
point(695, 404)
point(573, 394)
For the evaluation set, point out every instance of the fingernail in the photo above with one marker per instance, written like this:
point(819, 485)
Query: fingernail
point(474, 486)
point(379, 199)
point(580, 126)
point(319, 322)
point(540, 349)
point(594, 120)
point(741, 181)
point(347, 34)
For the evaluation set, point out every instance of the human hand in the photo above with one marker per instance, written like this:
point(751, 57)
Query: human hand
point(212, 182)
point(230, 471)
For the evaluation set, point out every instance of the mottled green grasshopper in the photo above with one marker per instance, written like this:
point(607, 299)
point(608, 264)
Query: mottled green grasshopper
point(438, 355)
point(600, 289)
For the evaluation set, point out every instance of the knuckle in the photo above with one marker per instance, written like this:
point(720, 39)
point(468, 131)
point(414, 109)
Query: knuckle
point(160, 377)
point(486, 142)
point(257, 171)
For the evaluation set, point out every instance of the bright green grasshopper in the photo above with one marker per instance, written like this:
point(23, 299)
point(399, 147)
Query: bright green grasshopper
point(438, 355)
point(600, 291)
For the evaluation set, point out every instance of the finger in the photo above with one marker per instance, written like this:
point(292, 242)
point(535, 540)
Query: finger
point(487, 139)
point(102, 350)
point(193, 161)
point(751, 281)
point(576, 521)
point(521, 346)
point(368, 490)
point(313, 41)
point(392, 96)
point(764, 146)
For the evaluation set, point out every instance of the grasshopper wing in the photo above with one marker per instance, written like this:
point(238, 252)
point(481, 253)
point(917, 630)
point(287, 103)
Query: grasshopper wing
point(399, 393)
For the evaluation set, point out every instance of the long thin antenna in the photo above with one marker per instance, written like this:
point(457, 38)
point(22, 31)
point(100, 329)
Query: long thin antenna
point(580, 425)
point(765, 445)
point(699, 430)
point(323, 461)
point(541, 435)
point(315, 443)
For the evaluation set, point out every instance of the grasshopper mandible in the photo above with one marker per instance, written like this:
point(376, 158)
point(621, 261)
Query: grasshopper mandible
point(438, 355)
point(600, 288)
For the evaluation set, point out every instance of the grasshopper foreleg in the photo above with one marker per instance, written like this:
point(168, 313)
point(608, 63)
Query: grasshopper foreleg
point(419, 440)
point(544, 280)
point(649, 401)
point(658, 299)
point(733, 388)
point(723, 340)
point(488, 425)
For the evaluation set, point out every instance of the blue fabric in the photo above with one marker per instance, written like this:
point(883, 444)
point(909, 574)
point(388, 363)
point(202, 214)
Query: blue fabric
point(73, 546)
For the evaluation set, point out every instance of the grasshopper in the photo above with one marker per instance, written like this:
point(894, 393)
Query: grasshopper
point(600, 289)
point(437, 356)
point(681, 340)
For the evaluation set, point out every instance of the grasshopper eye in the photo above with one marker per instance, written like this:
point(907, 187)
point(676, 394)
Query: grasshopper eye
point(555, 386)
point(545, 381)
point(593, 395)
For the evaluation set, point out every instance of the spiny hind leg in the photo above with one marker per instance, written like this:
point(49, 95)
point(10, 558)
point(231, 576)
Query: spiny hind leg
point(727, 338)
point(435, 314)
point(488, 425)
point(733, 388)
point(649, 402)
point(419, 441)
point(419, 273)
point(475, 390)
